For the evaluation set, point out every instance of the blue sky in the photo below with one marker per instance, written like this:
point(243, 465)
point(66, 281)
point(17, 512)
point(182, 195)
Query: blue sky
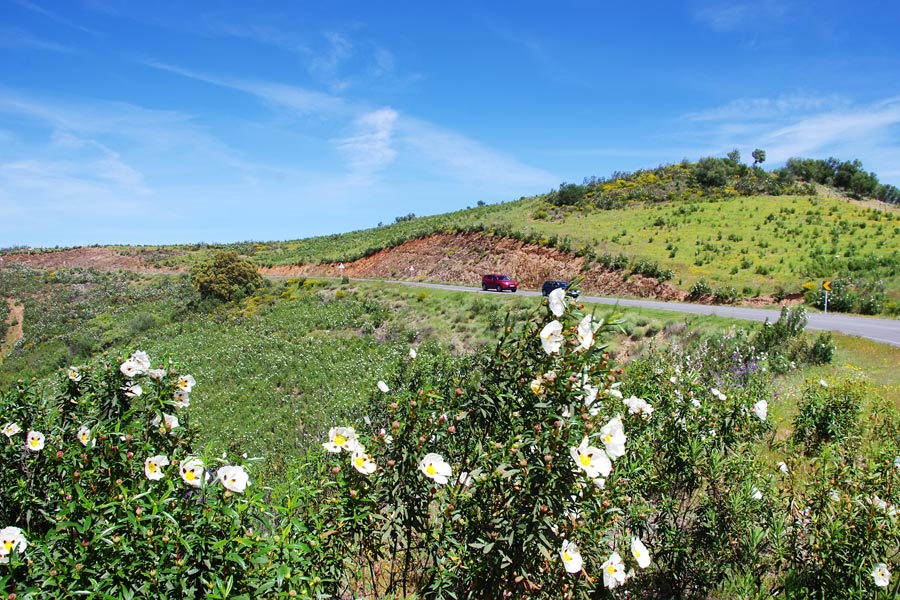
point(169, 122)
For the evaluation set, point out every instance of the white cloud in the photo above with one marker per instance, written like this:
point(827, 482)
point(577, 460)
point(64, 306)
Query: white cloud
point(726, 16)
point(370, 148)
point(18, 38)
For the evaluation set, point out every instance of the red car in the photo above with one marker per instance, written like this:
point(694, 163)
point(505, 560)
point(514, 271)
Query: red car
point(496, 281)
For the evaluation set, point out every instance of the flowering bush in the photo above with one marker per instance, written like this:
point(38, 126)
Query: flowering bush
point(107, 496)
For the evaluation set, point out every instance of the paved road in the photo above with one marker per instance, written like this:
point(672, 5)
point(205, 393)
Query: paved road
point(886, 331)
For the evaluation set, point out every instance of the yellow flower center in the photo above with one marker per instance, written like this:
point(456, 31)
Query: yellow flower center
point(566, 556)
point(360, 461)
point(151, 467)
point(8, 544)
point(340, 440)
point(585, 459)
point(35, 442)
point(637, 553)
point(430, 469)
point(611, 569)
point(608, 438)
point(190, 476)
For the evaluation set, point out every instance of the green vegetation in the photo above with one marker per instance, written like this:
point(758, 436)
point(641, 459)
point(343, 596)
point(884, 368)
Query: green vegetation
point(526, 468)
point(226, 276)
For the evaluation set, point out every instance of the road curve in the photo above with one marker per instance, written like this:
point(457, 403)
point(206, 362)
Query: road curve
point(885, 331)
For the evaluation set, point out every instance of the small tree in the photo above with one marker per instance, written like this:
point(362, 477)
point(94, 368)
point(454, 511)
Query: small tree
point(759, 157)
point(226, 276)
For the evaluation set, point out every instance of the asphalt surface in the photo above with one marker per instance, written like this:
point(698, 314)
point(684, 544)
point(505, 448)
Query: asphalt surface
point(885, 331)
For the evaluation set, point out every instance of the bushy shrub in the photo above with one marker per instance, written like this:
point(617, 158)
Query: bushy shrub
point(827, 414)
point(700, 289)
point(226, 276)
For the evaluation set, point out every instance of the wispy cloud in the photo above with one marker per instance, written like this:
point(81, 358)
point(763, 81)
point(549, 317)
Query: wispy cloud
point(54, 16)
point(725, 16)
point(18, 38)
point(753, 109)
point(299, 99)
point(370, 148)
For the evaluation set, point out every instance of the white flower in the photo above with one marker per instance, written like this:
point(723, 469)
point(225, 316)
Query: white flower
point(234, 478)
point(638, 406)
point(133, 390)
point(695, 402)
point(35, 441)
point(569, 552)
point(782, 466)
point(897, 463)
point(84, 435)
point(585, 332)
point(73, 374)
point(383, 387)
point(590, 394)
point(537, 385)
point(156, 374)
point(341, 438)
point(181, 399)
point(413, 353)
point(756, 494)
point(639, 552)
point(613, 571)
point(883, 505)
point(130, 368)
point(613, 436)
point(171, 421)
point(715, 392)
point(823, 383)
point(153, 467)
point(362, 462)
point(551, 337)
point(615, 393)
point(465, 479)
point(141, 359)
point(557, 301)
point(434, 467)
point(881, 575)
point(761, 409)
point(11, 429)
point(592, 460)
point(192, 472)
point(11, 538)
point(186, 383)
point(834, 495)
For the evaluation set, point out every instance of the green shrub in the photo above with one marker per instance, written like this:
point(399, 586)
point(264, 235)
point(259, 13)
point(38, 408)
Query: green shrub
point(226, 276)
point(828, 414)
point(700, 289)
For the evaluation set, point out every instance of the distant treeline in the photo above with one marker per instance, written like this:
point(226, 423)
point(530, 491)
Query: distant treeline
point(723, 177)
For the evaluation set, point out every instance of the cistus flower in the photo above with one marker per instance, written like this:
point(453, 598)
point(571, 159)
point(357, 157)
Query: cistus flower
point(35, 441)
point(434, 467)
point(782, 466)
point(234, 478)
point(593, 461)
point(557, 301)
point(341, 438)
point(186, 383)
point(613, 436)
point(761, 410)
point(639, 552)
point(171, 421)
point(142, 360)
point(193, 472)
point(881, 575)
point(73, 374)
point(156, 374)
point(181, 399)
point(413, 353)
point(362, 462)
point(638, 406)
point(551, 337)
point(11, 429)
point(383, 387)
point(537, 385)
point(11, 538)
point(84, 435)
point(133, 390)
point(130, 368)
point(585, 332)
point(153, 467)
point(613, 571)
point(569, 553)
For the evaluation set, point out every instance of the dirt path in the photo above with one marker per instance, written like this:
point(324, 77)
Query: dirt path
point(14, 321)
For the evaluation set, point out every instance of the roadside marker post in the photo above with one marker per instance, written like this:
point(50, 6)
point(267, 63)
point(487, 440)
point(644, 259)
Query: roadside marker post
point(826, 285)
